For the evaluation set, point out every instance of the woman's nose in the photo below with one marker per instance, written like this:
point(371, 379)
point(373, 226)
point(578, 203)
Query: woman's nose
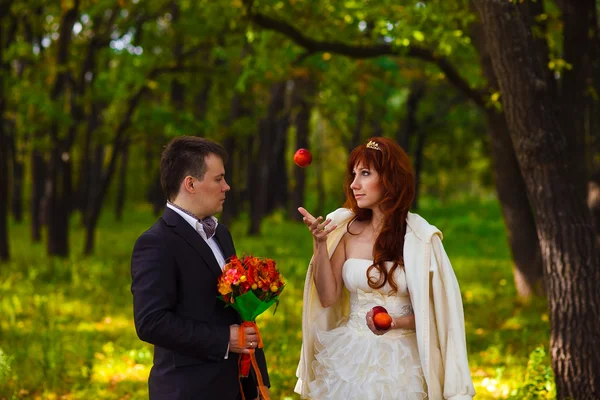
point(354, 185)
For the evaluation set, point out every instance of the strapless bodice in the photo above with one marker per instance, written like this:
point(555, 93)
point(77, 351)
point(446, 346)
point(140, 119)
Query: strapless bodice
point(363, 297)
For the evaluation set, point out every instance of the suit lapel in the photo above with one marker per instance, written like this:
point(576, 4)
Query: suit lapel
point(189, 234)
point(224, 242)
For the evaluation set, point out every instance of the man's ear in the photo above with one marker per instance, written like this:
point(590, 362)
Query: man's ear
point(188, 184)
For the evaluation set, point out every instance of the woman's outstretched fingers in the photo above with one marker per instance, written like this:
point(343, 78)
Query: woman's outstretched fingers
point(306, 214)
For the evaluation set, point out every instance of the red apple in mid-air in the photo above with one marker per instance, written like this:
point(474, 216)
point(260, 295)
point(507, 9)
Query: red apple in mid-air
point(303, 158)
point(378, 309)
point(382, 321)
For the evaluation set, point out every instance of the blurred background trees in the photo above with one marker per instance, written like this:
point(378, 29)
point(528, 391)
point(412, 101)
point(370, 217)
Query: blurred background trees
point(91, 90)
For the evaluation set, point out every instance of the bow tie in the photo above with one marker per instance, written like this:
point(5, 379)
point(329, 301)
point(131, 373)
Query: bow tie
point(209, 225)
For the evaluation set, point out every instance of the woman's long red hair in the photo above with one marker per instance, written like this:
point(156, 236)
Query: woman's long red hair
point(398, 182)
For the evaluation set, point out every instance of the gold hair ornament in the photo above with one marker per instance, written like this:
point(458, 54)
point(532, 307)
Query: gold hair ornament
point(373, 145)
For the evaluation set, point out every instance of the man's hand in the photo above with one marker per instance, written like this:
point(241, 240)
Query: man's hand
point(251, 339)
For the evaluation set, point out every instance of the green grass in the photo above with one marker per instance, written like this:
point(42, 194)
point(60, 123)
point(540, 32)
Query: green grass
point(66, 328)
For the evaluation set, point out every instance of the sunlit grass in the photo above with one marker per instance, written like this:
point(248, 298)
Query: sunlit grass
point(67, 331)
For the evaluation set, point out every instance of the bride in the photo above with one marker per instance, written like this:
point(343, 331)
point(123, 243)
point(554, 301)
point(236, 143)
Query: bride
point(373, 253)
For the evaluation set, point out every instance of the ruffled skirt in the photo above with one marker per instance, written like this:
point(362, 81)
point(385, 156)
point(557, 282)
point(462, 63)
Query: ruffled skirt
point(358, 365)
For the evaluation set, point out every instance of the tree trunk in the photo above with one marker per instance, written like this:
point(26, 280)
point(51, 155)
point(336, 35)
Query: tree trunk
point(523, 241)
point(528, 270)
point(117, 148)
point(18, 170)
point(272, 139)
point(258, 200)
point(4, 179)
point(420, 146)
point(304, 91)
point(59, 179)
point(320, 206)
point(57, 206)
point(122, 185)
point(279, 121)
point(87, 160)
point(231, 209)
point(4, 176)
point(569, 252)
point(38, 179)
point(579, 20)
point(357, 131)
point(251, 162)
point(409, 126)
point(232, 206)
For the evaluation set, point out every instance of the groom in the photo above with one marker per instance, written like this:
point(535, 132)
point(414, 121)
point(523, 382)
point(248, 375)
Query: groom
point(174, 269)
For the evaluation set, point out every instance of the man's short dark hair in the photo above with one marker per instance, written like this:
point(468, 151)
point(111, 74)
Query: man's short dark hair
point(183, 156)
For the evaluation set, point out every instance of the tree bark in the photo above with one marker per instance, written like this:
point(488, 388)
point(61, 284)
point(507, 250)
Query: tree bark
point(523, 241)
point(569, 252)
point(579, 21)
point(528, 270)
point(38, 179)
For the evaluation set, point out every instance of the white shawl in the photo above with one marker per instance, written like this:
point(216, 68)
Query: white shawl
point(435, 298)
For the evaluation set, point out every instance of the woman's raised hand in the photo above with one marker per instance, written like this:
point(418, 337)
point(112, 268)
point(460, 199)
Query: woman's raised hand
point(317, 228)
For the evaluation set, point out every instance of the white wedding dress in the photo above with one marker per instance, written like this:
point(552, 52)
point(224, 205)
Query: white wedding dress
point(352, 363)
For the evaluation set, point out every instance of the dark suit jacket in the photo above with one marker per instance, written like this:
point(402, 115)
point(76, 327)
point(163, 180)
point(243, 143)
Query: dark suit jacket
point(174, 285)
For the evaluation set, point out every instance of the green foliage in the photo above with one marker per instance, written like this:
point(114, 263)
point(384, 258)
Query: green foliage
point(67, 324)
point(5, 361)
point(539, 379)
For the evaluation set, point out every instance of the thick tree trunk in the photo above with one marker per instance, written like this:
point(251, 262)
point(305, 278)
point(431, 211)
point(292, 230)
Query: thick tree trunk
point(38, 179)
point(302, 104)
point(528, 269)
point(571, 257)
point(523, 241)
point(579, 21)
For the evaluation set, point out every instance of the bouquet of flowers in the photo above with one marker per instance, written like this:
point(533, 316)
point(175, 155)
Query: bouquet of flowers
point(250, 285)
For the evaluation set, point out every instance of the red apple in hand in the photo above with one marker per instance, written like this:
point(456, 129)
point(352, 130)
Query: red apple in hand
point(303, 158)
point(378, 309)
point(382, 321)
